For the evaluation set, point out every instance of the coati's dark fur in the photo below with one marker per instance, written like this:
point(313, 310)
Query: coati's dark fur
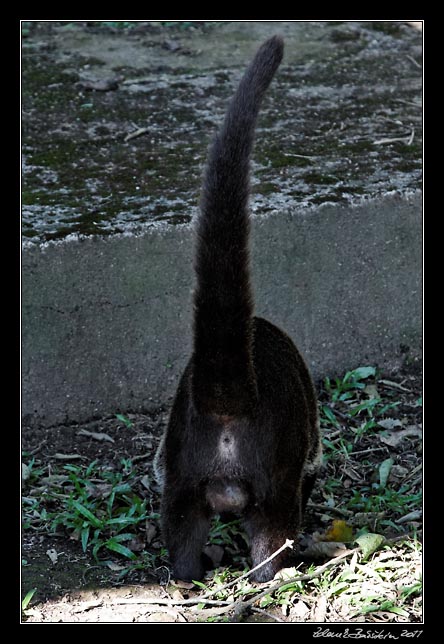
point(243, 435)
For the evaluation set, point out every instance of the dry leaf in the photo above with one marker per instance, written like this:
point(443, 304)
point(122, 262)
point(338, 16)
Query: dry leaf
point(114, 567)
point(325, 550)
point(398, 471)
point(371, 391)
point(99, 491)
point(369, 543)
point(394, 438)
point(145, 481)
point(52, 554)
point(68, 457)
point(137, 544)
point(384, 471)
point(150, 532)
point(389, 423)
point(352, 474)
point(416, 515)
point(286, 573)
point(98, 436)
point(54, 479)
point(26, 472)
point(339, 531)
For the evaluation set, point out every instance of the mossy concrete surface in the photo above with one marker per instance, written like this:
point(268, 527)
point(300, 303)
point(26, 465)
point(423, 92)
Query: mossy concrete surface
point(107, 255)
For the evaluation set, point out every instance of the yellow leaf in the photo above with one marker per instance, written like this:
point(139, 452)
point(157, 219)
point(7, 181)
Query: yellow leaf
point(339, 531)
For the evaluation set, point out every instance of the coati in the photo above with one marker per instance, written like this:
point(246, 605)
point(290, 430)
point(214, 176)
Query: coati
point(243, 434)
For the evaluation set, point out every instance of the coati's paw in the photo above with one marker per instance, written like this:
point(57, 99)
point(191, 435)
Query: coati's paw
point(266, 573)
point(190, 571)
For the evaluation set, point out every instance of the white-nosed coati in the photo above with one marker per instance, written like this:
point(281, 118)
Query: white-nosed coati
point(243, 435)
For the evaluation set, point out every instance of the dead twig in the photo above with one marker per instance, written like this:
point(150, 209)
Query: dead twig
point(327, 508)
point(411, 474)
point(415, 62)
point(174, 602)
point(141, 456)
point(367, 451)
point(414, 103)
point(394, 385)
point(397, 139)
point(133, 135)
point(38, 448)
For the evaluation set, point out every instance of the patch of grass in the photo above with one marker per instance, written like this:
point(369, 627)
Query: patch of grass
point(367, 469)
point(126, 421)
point(92, 504)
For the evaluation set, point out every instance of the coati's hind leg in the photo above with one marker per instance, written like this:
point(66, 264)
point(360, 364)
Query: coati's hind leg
point(185, 525)
point(268, 529)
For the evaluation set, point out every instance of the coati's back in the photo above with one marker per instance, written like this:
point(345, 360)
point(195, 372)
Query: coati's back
point(243, 434)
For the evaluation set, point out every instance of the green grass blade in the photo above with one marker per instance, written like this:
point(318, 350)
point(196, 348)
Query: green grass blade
point(27, 598)
point(85, 537)
point(361, 373)
point(87, 514)
point(113, 545)
point(330, 415)
point(123, 536)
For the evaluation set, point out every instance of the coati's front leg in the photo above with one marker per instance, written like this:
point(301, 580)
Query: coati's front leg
point(185, 525)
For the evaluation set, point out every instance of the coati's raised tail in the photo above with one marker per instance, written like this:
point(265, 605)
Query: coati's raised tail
point(243, 436)
point(223, 376)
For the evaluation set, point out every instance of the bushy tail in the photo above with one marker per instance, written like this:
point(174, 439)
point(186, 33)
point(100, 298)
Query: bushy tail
point(223, 374)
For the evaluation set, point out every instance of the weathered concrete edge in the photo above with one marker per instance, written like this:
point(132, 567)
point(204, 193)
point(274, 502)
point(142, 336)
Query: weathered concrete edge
point(106, 322)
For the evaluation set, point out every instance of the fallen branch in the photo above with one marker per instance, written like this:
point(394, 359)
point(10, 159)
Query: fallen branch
point(175, 602)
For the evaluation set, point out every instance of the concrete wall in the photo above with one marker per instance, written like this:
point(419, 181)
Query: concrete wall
point(106, 321)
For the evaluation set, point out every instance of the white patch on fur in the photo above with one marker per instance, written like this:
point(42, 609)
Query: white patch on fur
point(227, 447)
